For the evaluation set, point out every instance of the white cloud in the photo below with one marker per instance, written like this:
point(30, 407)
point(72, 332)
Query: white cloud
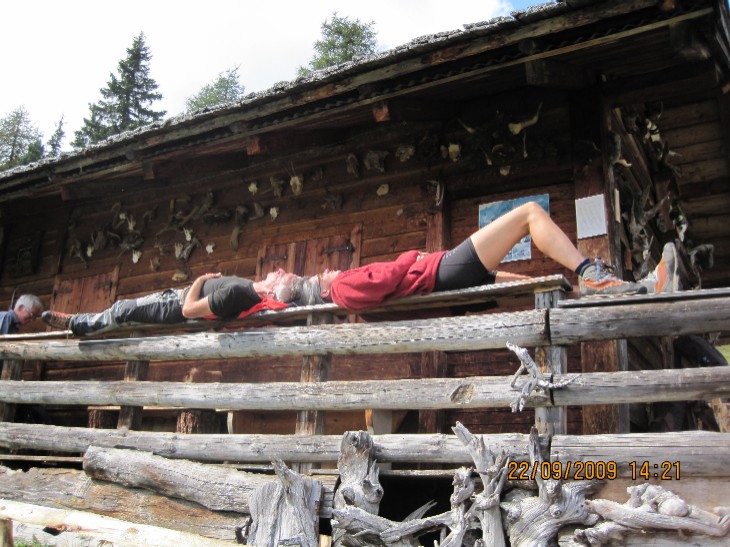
point(58, 54)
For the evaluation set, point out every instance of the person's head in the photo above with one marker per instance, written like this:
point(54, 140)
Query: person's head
point(307, 291)
point(27, 308)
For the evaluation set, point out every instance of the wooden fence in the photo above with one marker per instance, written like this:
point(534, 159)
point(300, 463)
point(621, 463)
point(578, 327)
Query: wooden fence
point(702, 456)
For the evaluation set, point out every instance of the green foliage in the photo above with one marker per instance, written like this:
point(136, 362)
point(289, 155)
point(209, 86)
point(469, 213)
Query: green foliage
point(54, 143)
point(35, 543)
point(126, 102)
point(225, 88)
point(20, 139)
point(342, 39)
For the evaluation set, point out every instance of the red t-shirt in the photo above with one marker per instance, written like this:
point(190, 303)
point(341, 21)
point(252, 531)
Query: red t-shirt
point(369, 286)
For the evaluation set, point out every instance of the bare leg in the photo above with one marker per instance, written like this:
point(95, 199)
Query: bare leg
point(494, 241)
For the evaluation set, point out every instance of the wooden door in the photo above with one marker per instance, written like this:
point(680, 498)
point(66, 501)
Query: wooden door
point(91, 293)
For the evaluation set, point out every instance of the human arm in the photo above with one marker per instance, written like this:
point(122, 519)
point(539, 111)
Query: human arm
point(195, 305)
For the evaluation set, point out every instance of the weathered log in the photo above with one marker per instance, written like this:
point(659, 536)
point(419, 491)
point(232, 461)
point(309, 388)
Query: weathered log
point(286, 512)
point(474, 332)
point(534, 521)
point(434, 393)
point(636, 538)
point(608, 322)
point(73, 489)
point(359, 484)
point(651, 507)
point(214, 487)
point(102, 528)
point(491, 467)
point(702, 453)
point(10, 371)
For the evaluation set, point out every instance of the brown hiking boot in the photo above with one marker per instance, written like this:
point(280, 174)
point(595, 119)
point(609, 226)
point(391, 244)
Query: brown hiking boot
point(56, 319)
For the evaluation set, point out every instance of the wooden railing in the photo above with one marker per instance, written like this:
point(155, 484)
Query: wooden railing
point(702, 454)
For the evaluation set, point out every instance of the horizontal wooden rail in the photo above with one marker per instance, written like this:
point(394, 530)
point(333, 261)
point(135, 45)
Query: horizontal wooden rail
point(434, 393)
point(510, 290)
point(475, 332)
point(700, 453)
point(668, 315)
point(568, 325)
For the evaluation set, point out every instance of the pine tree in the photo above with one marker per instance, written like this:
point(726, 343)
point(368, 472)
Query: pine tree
point(54, 143)
point(20, 139)
point(342, 39)
point(224, 89)
point(126, 101)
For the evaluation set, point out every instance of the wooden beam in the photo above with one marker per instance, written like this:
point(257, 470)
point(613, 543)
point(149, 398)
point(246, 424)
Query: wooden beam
point(217, 488)
point(588, 124)
point(556, 75)
point(424, 393)
point(102, 528)
point(690, 78)
point(131, 416)
point(467, 333)
point(65, 488)
point(454, 333)
point(701, 453)
point(11, 372)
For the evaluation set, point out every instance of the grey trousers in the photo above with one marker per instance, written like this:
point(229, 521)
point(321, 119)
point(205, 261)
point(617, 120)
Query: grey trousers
point(157, 308)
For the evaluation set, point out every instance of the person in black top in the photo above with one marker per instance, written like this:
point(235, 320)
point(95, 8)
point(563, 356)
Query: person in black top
point(210, 294)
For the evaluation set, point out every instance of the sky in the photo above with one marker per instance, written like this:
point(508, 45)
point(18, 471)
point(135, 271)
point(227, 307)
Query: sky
point(55, 55)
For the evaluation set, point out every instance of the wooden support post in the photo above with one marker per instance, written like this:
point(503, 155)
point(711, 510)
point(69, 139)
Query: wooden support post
point(589, 123)
point(131, 416)
point(12, 370)
point(6, 533)
point(315, 368)
point(552, 360)
point(198, 420)
point(433, 365)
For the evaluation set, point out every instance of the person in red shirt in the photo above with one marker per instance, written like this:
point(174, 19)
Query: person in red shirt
point(470, 264)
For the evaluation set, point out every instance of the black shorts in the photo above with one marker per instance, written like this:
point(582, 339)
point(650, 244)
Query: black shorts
point(460, 268)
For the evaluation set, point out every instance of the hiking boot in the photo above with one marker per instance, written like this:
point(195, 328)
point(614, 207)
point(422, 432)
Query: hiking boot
point(664, 278)
point(597, 280)
point(56, 319)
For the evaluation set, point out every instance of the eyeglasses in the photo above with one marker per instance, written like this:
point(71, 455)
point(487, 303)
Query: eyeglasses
point(34, 314)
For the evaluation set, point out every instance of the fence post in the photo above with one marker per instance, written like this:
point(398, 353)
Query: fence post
point(551, 360)
point(12, 370)
point(315, 368)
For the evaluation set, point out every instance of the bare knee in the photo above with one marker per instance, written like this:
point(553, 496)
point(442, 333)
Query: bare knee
point(533, 212)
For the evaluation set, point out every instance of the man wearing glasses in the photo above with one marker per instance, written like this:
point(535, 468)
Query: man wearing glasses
point(27, 308)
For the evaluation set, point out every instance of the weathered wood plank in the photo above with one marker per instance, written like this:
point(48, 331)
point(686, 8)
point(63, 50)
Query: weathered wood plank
point(101, 527)
point(285, 512)
point(476, 332)
point(692, 316)
point(443, 299)
point(214, 487)
point(701, 453)
point(451, 333)
point(73, 489)
point(11, 371)
point(703, 383)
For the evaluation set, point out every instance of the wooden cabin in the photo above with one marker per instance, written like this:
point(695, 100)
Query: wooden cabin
point(615, 116)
